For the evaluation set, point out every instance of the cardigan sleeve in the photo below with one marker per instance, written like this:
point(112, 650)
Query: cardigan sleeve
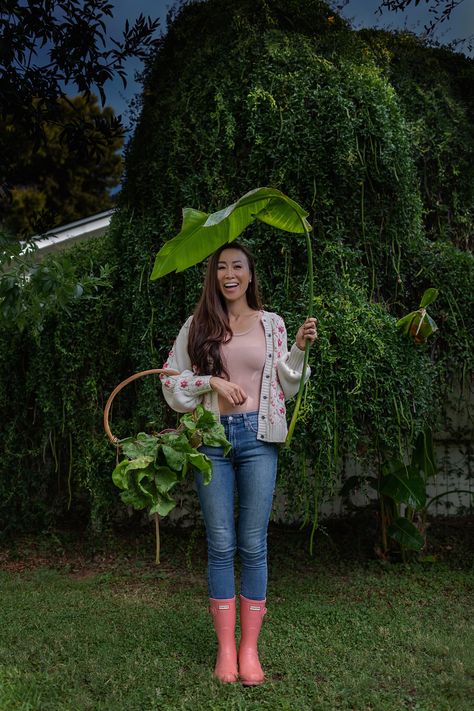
point(290, 363)
point(183, 392)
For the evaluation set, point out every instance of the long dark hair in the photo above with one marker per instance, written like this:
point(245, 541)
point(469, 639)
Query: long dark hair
point(210, 325)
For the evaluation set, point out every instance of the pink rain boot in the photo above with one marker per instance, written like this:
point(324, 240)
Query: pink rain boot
point(223, 616)
point(251, 617)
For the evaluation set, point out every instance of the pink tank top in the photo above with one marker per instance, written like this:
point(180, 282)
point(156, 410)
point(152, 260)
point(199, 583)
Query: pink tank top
point(244, 358)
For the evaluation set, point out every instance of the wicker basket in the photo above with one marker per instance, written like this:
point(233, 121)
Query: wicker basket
point(153, 371)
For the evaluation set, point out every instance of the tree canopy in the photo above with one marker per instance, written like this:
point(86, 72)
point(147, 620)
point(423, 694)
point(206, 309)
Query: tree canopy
point(59, 180)
point(49, 50)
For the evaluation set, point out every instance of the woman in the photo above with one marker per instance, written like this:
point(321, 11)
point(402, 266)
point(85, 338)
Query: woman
point(232, 357)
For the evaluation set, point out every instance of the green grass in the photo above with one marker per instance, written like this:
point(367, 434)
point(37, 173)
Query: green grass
point(106, 630)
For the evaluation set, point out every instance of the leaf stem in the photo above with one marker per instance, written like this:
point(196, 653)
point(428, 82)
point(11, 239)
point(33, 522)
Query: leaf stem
point(308, 343)
point(157, 537)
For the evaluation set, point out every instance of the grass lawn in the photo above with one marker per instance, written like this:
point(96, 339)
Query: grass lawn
point(88, 626)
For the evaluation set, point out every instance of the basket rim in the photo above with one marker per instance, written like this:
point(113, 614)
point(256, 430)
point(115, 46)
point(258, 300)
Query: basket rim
point(152, 371)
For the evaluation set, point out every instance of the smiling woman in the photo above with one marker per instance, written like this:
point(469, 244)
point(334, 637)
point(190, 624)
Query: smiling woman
point(232, 357)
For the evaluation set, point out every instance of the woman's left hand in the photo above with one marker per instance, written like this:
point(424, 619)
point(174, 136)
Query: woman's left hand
point(306, 332)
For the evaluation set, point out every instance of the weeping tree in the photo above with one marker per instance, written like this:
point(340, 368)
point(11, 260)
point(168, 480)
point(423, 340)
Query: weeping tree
point(282, 94)
point(286, 95)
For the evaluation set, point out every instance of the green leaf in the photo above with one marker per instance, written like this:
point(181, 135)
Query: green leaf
point(210, 429)
point(175, 441)
point(189, 421)
point(404, 324)
point(135, 498)
point(165, 479)
point(201, 234)
point(141, 445)
point(164, 504)
point(175, 459)
point(145, 480)
point(405, 486)
point(406, 534)
point(216, 438)
point(423, 456)
point(120, 476)
point(203, 464)
point(425, 327)
point(417, 324)
point(206, 419)
point(140, 463)
point(428, 297)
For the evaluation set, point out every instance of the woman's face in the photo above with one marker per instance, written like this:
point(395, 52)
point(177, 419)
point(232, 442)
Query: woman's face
point(233, 274)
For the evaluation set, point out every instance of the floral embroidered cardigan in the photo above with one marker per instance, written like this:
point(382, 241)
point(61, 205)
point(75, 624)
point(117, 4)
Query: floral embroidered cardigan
point(281, 378)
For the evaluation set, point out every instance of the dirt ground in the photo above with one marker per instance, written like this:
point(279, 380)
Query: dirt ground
point(83, 553)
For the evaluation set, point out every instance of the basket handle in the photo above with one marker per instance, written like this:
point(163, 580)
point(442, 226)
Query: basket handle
point(154, 371)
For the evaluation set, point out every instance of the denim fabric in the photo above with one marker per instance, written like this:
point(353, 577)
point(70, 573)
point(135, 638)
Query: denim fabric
point(250, 469)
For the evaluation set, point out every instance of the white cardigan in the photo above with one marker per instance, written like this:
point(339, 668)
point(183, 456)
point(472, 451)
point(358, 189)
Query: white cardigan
point(281, 378)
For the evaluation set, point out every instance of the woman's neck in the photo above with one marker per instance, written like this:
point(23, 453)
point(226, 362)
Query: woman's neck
point(239, 311)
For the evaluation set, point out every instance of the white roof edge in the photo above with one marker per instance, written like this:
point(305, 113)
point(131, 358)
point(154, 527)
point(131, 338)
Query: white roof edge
point(92, 226)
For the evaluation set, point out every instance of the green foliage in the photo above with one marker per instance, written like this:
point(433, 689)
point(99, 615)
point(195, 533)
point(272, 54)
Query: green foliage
point(53, 384)
point(31, 290)
point(435, 88)
point(373, 134)
point(155, 463)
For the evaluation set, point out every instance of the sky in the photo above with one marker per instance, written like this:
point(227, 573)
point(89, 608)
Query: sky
point(361, 13)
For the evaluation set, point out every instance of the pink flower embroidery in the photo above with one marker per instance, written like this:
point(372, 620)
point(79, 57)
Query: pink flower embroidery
point(279, 354)
point(281, 329)
point(168, 384)
point(166, 365)
point(282, 410)
point(199, 382)
point(280, 343)
point(281, 395)
point(184, 383)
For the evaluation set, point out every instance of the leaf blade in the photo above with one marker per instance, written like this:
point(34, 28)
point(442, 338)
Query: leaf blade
point(202, 233)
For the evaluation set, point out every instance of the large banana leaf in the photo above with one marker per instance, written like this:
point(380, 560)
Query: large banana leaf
point(405, 486)
point(407, 534)
point(201, 233)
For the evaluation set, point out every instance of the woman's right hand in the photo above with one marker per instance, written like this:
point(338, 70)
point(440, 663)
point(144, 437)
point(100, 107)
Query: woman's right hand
point(231, 392)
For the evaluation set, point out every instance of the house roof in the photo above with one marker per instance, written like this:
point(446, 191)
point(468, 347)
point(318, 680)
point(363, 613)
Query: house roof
point(66, 235)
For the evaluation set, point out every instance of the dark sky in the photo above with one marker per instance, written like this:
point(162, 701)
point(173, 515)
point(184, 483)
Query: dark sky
point(361, 13)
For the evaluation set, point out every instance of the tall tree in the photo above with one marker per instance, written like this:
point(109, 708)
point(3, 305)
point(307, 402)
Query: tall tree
point(52, 48)
point(60, 179)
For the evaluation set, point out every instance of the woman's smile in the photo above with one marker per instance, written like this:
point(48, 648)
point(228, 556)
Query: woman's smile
point(233, 273)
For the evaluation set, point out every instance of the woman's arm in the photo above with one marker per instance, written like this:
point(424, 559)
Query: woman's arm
point(183, 392)
point(290, 363)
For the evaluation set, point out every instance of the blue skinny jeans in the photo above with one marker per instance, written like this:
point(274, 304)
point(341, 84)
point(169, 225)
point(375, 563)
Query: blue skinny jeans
point(250, 469)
